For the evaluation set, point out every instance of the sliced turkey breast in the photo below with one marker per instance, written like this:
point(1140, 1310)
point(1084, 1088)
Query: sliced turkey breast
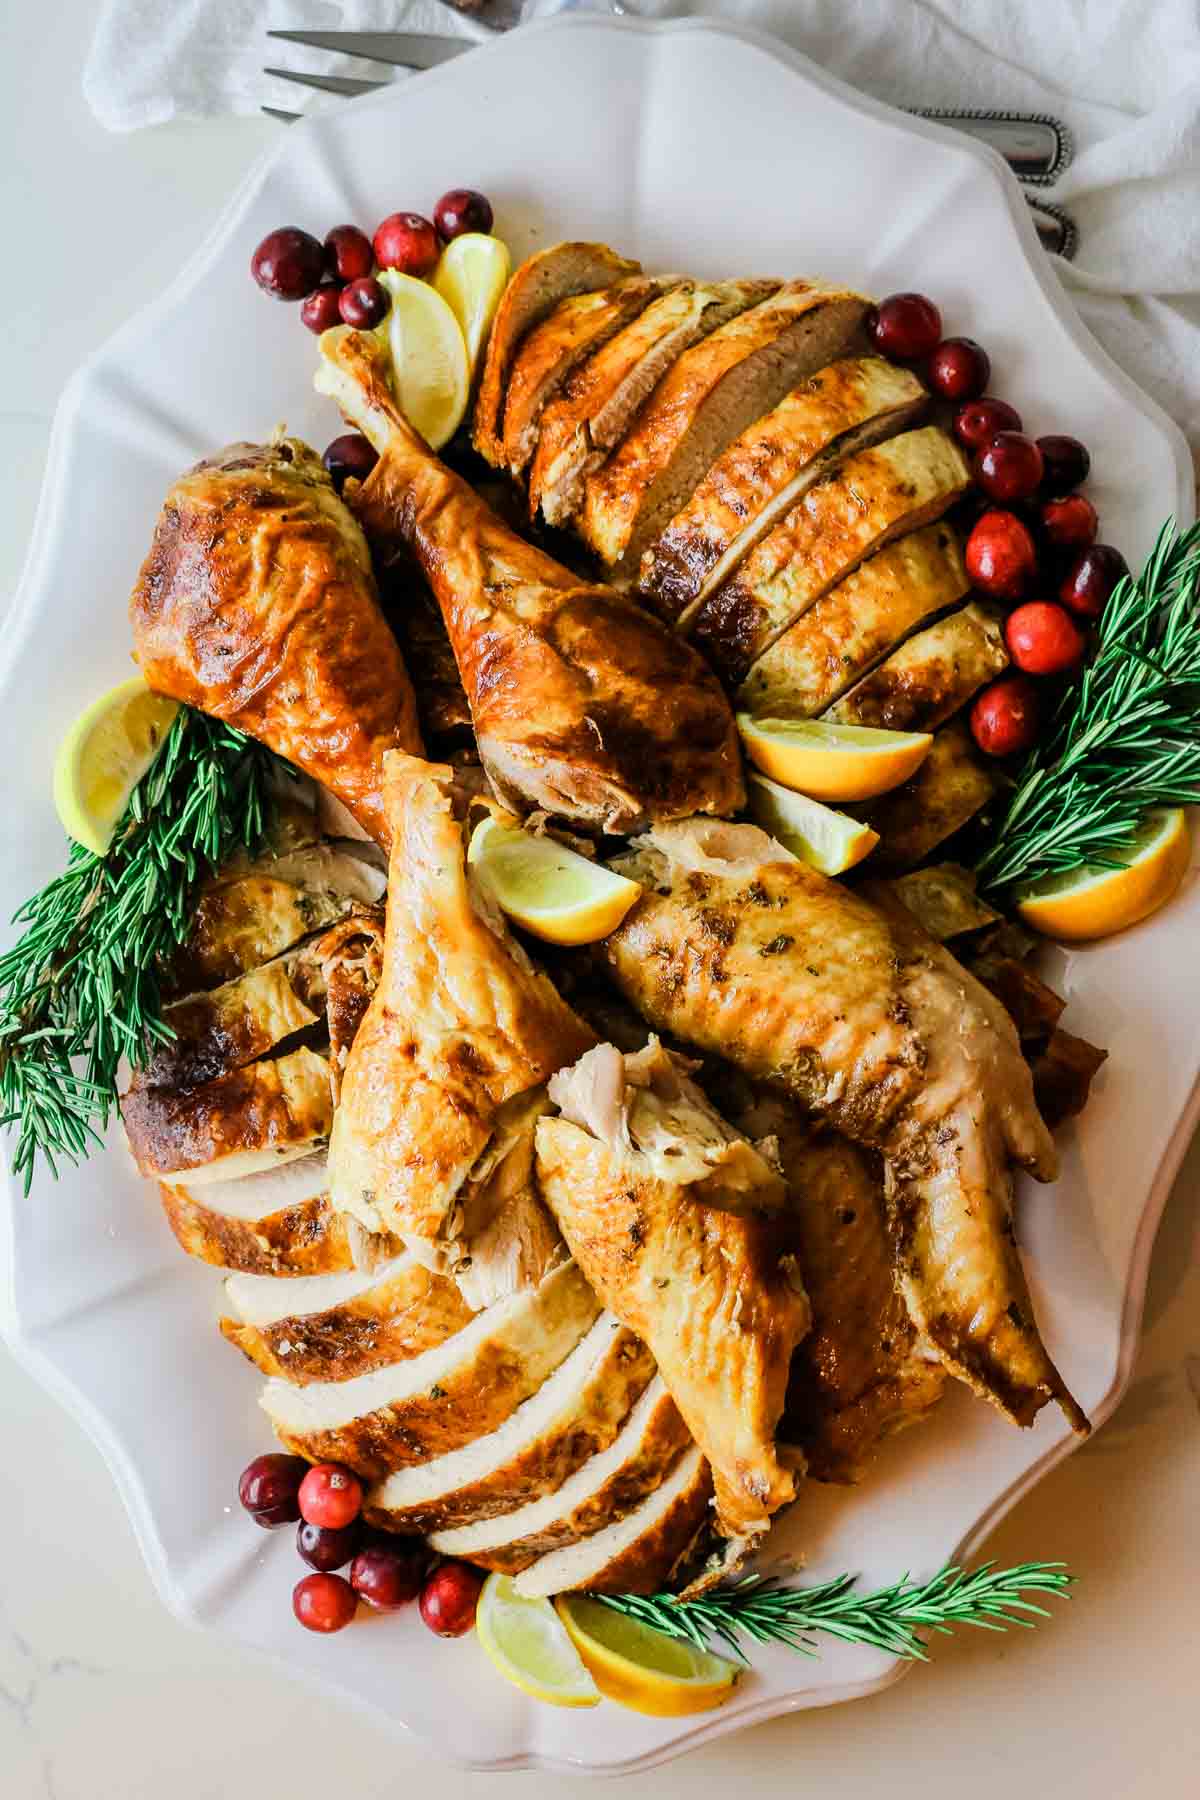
point(536, 288)
point(447, 1397)
point(843, 408)
point(278, 1223)
point(245, 919)
point(399, 1311)
point(637, 1553)
point(577, 327)
point(931, 676)
point(711, 394)
point(878, 495)
point(232, 1025)
point(575, 1414)
point(607, 1486)
point(265, 1300)
point(950, 787)
point(578, 430)
point(245, 1121)
point(848, 630)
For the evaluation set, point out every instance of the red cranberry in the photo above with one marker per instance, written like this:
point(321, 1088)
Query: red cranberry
point(959, 369)
point(323, 1549)
point(387, 1576)
point(269, 1487)
point(320, 312)
point(324, 1602)
point(348, 253)
point(905, 327)
point(1065, 463)
point(1000, 555)
point(462, 210)
point(1070, 523)
point(1004, 718)
point(330, 1495)
point(976, 423)
point(363, 303)
point(1010, 467)
point(1043, 639)
point(349, 455)
point(407, 242)
point(449, 1598)
point(1091, 578)
point(288, 264)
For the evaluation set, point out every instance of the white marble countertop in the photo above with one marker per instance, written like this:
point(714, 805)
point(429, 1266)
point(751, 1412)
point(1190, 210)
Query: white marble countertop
point(104, 1697)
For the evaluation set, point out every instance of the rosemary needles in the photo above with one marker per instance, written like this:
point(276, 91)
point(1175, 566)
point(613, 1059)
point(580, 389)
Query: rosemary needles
point(1125, 739)
point(79, 989)
point(890, 1619)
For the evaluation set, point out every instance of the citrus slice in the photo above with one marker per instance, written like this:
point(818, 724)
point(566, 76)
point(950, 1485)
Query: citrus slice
point(827, 840)
point(103, 757)
point(550, 890)
point(526, 1642)
point(471, 275)
point(1093, 902)
point(830, 761)
point(641, 1668)
point(429, 357)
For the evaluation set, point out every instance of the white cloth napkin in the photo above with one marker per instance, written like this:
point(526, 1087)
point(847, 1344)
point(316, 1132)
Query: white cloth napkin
point(1123, 74)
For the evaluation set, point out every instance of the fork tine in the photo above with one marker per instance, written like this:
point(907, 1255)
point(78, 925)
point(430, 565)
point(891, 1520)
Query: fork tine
point(404, 49)
point(327, 84)
point(275, 112)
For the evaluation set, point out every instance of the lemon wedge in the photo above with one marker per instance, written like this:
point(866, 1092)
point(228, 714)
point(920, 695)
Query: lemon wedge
point(429, 357)
point(103, 757)
point(527, 1643)
point(641, 1668)
point(830, 761)
point(471, 275)
point(1093, 902)
point(827, 840)
point(550, 890)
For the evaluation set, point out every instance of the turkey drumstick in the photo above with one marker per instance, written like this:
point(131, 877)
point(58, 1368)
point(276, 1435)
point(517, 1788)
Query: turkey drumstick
point(584, 706)
point(257, 604)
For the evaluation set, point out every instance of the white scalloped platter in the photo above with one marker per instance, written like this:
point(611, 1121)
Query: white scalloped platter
point(689, 147)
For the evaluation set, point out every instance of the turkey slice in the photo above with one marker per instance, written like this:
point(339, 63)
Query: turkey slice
point(400, 1310)
point(932, 675)
point(279, 1223)
point(445, 1398)
point(244, 918)
point(878, 495)
point(636, 1554)
point(858, 622)
point(575, 1414)
point(593, 414)
point(828, 417)
point(536, 288)
point(245, 1121)
point(233, 1024)
point(710, 396)
point(265, 1300)
point(607, 1486)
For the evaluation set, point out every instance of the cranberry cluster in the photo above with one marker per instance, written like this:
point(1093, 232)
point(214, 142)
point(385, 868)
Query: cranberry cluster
point(1033, 541)
point(336, 281)
point(324, 1501)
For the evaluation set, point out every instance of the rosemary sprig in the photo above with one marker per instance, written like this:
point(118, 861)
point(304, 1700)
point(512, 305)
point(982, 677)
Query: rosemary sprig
point(889, 1619)
point(1124, 740)
point(82, 981)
